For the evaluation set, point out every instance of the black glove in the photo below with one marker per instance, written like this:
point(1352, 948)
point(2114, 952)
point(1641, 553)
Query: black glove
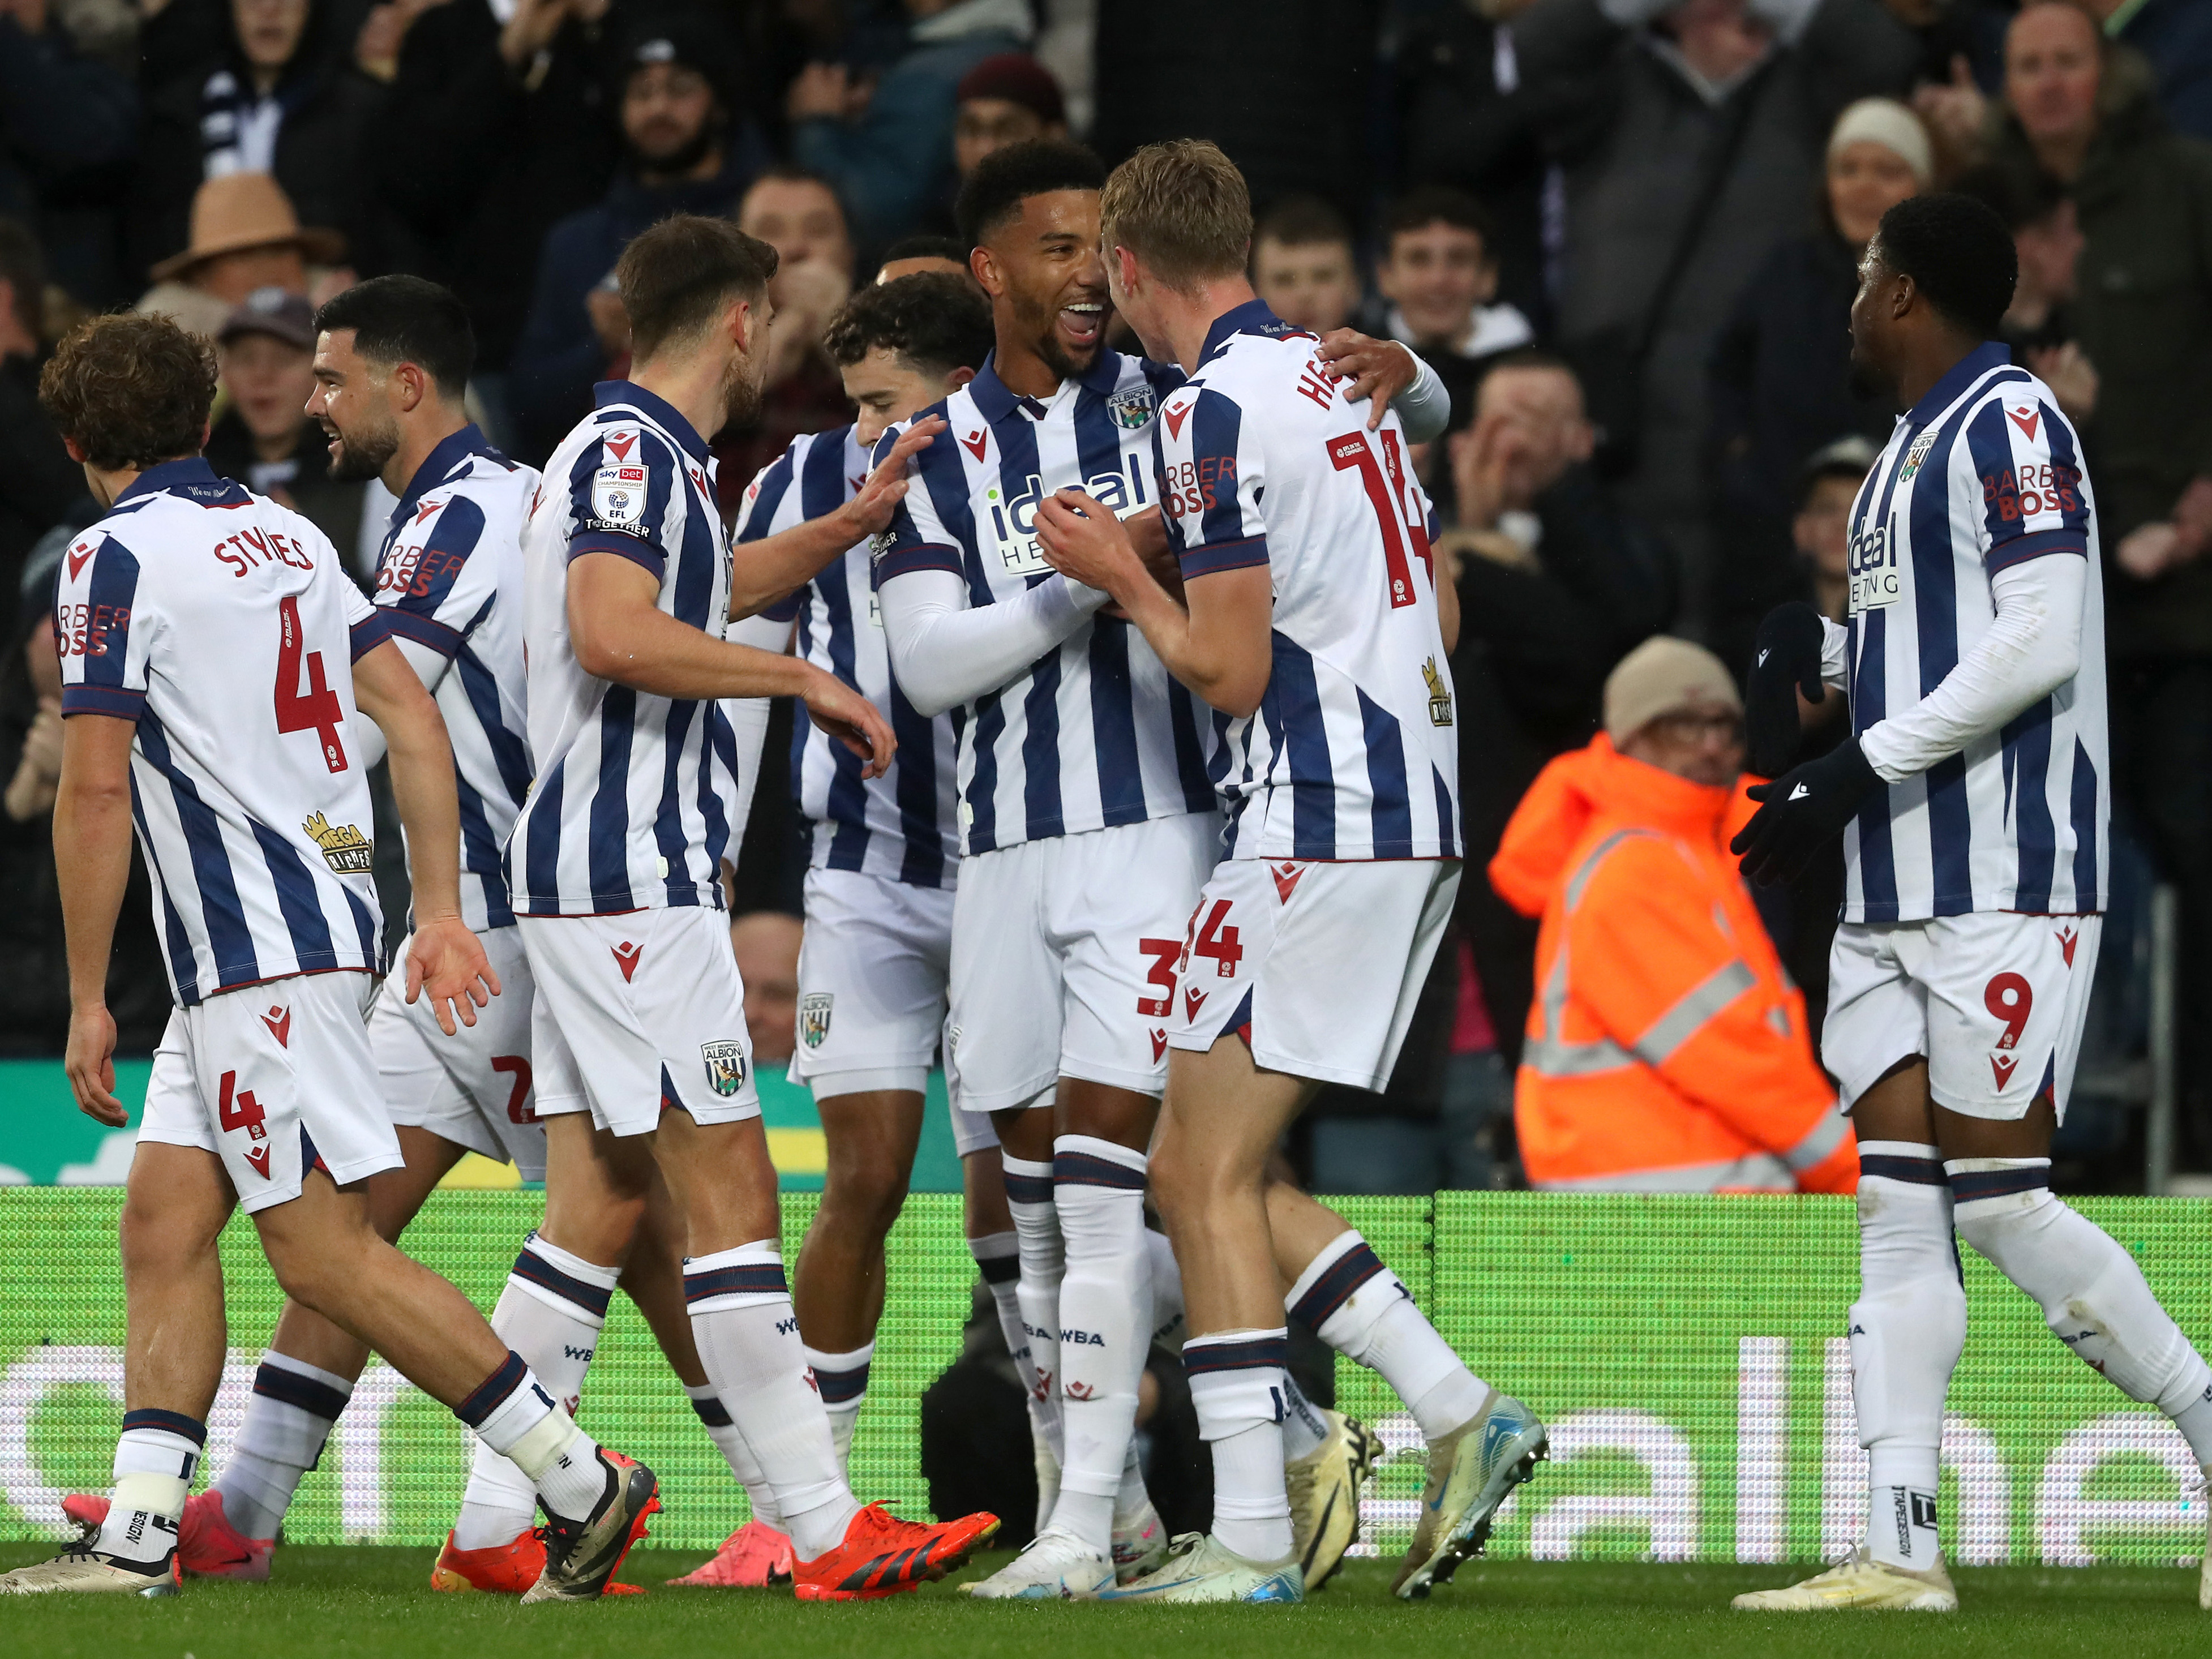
point(1787, 662)
point(1801, 811)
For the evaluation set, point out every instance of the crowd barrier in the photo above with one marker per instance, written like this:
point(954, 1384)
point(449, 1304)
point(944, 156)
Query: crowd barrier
point(1688, 1353)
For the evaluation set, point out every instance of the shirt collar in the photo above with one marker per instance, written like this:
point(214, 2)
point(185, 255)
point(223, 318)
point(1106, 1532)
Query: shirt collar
point(170, 475)
point(995, 399)
point(449, 452)
point(1253, 317)
point(663, 412)
point(1990, 354)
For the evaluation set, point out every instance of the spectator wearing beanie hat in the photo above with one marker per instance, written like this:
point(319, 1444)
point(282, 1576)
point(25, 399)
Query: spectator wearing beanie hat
point(1008, 99)
point(1667, 1050)
point(1781, 380)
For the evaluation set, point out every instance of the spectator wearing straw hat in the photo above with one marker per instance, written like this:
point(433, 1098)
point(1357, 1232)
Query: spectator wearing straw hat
point(245, 238)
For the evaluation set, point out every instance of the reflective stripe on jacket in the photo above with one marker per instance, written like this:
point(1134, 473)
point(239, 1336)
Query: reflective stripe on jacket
point(1667, 1050)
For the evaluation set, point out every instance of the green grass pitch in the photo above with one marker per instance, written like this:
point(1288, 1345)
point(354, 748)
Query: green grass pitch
point(331, 1603)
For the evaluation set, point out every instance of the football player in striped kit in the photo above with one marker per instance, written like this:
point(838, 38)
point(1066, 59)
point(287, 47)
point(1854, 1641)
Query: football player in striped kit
point(1087, 819)
point(178, 613)
point(643, 1071)
point(1973, 797)
point(1314, 626)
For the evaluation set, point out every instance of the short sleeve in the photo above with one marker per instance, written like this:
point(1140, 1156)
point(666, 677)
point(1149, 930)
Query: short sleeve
point(432, 594)
point(917, 537)
point(619, 493)
point(102, 629)
point(369, 626)
point(764, 496)
point(2027, 463)
point(1212, 478)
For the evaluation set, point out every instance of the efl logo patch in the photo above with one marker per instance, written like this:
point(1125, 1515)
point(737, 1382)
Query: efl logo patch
point(1132, 408)
point(618, 497)
point(725, 1066)
point(814, 1010)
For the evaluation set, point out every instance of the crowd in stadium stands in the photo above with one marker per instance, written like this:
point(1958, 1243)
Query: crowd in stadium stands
point(1624, 232)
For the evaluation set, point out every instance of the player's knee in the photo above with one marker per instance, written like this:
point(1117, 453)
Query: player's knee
point(159, 1236)
point(864, 1188)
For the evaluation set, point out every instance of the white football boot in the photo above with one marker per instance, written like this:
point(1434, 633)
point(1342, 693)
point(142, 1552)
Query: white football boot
point(1471, 1470)
point(1141, 1541)
point(1055, 1567)
point(1199, 1569)
point(1324, 1489)
point(1858, 1580)
point(79, 1570)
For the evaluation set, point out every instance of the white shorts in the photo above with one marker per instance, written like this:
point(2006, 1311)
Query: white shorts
point(1063, 958)
point(1996, 1001)
point(275, 1080)
point(473, 1088)
point(1317, 965)
point(637, 1011)
point(871, 981)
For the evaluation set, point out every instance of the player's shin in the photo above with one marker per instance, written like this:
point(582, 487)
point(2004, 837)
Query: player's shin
point(512, 1414)
point(2092, 1295)
point(289, 1419)
point(748, 1340)
point(1105, 1326)
point(155, 1458)
point(730, 1440)
point(841, 1379)
point(1236, 1389)
point(1364, 1311)
point(550, 1313)
point(1036, 1226)
point(1907, 1329)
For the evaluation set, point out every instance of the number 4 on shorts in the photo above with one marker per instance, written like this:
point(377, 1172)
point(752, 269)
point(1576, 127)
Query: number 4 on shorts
point(1218, 942)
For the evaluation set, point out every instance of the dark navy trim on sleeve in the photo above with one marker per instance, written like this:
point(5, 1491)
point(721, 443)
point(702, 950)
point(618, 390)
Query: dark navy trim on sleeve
point(2021, 549)
point(123, 705)
point(920, 556)
point(422, 630)
point(785, 608)
point(647, 554)
point(370, 632)
point(1209, 557)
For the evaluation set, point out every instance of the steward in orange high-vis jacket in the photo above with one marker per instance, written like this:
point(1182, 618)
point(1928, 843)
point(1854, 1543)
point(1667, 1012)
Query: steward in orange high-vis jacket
point(1667, 1050)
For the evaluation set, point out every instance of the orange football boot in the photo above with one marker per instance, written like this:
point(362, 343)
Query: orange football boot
point(207, 1546)
point(882, 1555)
point(511, 1568)
point(754, 1557)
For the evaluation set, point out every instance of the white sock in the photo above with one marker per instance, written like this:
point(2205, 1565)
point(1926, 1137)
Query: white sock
point(289, 1416)
point(1906, 1331)
point(155, 1458)
point(841, 1379)
point(1303, 1427)
point(1169, 1325)
point(2092, 1295)
point(1236, 1389)
point(1105, 1326)
point(1037, 1231)
point(550, 1311)
point(1364, 1311)
point(1130, 1497)
point(512, 1413)
point(748, 1338)
point(729, 1441)
point(998, 1258)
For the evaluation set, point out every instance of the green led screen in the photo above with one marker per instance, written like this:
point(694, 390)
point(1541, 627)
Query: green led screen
point(1688, 1353)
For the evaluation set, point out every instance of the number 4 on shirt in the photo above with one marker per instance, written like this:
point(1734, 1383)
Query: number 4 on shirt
point(1388, 497)
point(317, 710)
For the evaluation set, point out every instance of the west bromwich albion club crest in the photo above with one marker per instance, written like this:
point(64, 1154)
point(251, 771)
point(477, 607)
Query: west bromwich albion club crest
point(725, 1066)
point(814, 1017)
point(1132, 407)
point(1914, 456)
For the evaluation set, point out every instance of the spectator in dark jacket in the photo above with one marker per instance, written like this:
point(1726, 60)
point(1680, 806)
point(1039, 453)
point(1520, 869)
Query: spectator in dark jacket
point(2176, 36)
point(888, 152)
point(281, 95)
point(1781, 371)
point(1713, 116)
point(68, 128)
point(491, 134)
point(683, 154)
point(264, 439)
point(39, 485)
point(1555, 587)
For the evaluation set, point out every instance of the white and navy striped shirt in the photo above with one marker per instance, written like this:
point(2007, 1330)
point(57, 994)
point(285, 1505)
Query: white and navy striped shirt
point(1095, 734)
point(1981, 474)
point(449, 579)
point(1353, 753)
point(629, 807)
point(225, 627)
point(900, 826)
